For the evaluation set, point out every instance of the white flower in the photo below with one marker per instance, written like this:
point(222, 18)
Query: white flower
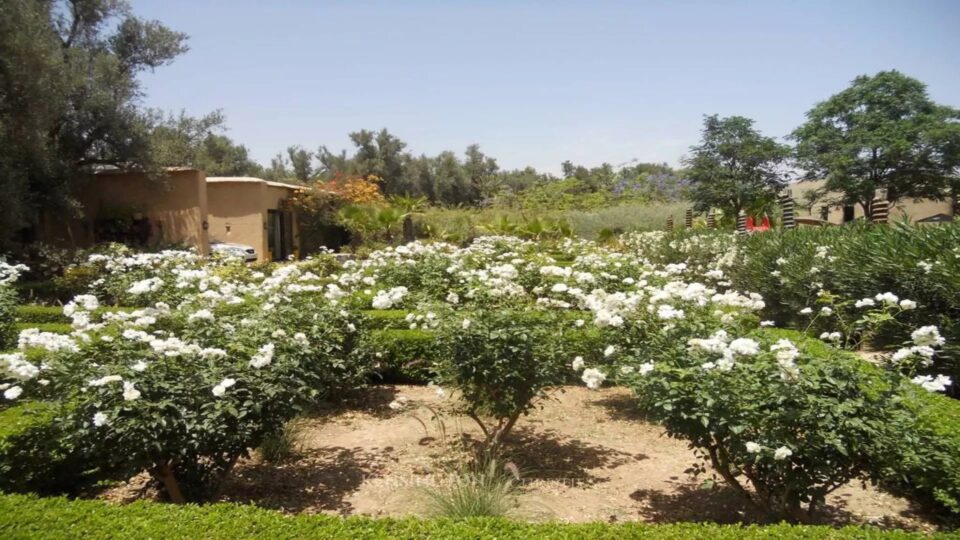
point(593, 378)
point(938, 384)
point(907, 305)
point(578, 323)
point(139, 366)
point(100, 419)
point(866, 302)
point(578, 363)
point(645, 368)
point(130, 392)
point(927, 335)
point(626, 370)
point(667, 312)
point(201, 315)
point(887, 298)
point(806, 311)
point(767, 323)
point(263, 357)
point(12, 393)
point(609, 350)
point(17, 365)
point(825, 310)
point(744, 346)
point(106, 380)
point(145, 286)
point(466, 324)
point(222, 386)
point(753, 448)
point(453, 298)
point(782, 453)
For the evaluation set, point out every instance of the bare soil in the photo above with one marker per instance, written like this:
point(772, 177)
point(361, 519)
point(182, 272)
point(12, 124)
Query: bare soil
point(583, 455)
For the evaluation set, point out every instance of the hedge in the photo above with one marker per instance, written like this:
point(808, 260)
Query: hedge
point(33, 313)
point(31, 455)
point(56, 328)
point(23, 516)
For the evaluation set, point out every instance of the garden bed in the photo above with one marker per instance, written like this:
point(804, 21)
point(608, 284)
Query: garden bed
point(585, 456)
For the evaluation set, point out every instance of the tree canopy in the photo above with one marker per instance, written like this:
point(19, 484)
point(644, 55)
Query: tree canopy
point(68, 98)
point(882, 133)
point(735, 167)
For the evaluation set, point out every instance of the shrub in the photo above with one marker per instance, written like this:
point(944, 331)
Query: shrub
point(500, 363)
point(920, 263)
point(187, 402)
point(8, 316)
point(795, 425)
point(8, 301)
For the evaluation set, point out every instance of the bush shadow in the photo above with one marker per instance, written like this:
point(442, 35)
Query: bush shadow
point(318, 480)
point(550, 455)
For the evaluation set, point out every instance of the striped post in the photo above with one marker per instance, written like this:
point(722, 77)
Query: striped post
point(879, 211)
point(789, 212)
point(742, 222)
point(670, 223)
point(688, 219)
point(711, 220)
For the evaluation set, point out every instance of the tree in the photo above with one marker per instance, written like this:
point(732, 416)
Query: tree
point(734, 167)
point(380, 154)
point(882, 133)
point(68, 99)
point(481, 171)
point(301, 161)
point(194, 142)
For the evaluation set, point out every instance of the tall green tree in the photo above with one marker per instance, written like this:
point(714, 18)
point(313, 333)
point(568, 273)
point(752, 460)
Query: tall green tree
point(69, 98)
point(481, 171)
point(882, 133)
point(301, 164)
point(198, 142)
point(734, 167)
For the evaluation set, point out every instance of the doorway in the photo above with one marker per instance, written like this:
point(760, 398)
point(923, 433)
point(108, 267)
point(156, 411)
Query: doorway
point(279, 234)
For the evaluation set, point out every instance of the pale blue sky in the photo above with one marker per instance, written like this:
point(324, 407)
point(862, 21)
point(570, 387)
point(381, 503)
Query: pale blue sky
point(536, 82)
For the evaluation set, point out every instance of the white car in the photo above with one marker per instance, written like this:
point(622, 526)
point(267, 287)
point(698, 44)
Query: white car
point(247, 253)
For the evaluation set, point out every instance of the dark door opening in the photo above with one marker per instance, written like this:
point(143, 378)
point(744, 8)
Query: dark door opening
point(847, 214)
point(279, 234)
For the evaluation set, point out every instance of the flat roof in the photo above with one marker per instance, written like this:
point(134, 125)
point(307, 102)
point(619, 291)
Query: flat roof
point(252, 180)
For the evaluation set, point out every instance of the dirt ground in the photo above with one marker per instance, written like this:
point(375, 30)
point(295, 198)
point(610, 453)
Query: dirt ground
point(584, 455)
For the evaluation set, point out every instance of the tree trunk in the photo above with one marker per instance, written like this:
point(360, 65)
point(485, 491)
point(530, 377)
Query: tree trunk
point(164, 473)
point(408, 230)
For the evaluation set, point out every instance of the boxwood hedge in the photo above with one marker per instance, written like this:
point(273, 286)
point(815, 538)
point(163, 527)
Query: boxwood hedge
point(24, 516)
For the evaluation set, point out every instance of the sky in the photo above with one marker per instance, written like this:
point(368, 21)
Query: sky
point(536, 83)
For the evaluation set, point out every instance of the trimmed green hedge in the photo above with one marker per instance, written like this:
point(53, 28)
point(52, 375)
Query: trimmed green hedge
point(31, 455)
point(56, 328)
point(406, 356)
point(55, 518)
point(33, 313)
point(403, 356)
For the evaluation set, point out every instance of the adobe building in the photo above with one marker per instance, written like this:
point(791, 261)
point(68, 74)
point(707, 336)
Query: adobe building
point(924, 210)
point(251, 211)
point(185, 209)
